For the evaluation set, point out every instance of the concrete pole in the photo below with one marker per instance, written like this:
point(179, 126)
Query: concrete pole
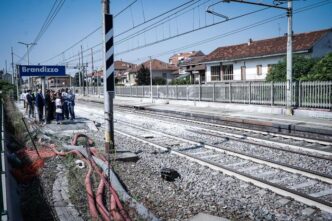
point(289, 94)
point(83, 71)
point(79, 71)
point(92, 67)
point(13, 71)
point(151, 79)
point(108, 94)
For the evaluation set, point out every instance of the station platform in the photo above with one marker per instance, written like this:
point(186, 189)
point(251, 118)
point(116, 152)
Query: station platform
point(303, 121)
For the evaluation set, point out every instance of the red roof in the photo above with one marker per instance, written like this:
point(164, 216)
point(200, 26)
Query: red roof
point(301, 42)
point(122, 65)
point(156, 65)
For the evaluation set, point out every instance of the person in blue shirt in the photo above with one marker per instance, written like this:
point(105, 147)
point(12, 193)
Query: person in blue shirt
point(71, 104)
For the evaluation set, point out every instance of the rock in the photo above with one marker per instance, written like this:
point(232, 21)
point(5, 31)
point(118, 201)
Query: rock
point(308, 211)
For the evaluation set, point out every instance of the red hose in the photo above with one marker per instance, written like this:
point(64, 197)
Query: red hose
point(116, 199)
point(87, 181)
point(99, 200)
point(116, 208)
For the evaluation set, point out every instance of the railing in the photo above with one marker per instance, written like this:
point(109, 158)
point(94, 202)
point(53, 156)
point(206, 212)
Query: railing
point(305, 94)
point(3, 197)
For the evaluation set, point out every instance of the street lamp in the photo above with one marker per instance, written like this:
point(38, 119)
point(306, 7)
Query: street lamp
point(28, 45)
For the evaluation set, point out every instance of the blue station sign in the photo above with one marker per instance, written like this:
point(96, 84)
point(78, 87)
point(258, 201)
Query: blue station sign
point(41, 70)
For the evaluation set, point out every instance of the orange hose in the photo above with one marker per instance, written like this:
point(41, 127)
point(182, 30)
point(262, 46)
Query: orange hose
point(99, 200)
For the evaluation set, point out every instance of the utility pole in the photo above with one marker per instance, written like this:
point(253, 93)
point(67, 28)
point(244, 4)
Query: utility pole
point(289, 54)
point(92, 67)
point(289, 59)
point(108, 75)
point(151, 79)
point(83, 71)
point(79, 70)
point(13, 82)
point(28, 45)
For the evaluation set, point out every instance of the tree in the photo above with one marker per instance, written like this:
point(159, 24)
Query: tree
point(182, 81)
point(159, 81)
point(143, 76)
point(7, 88)
point(301, 67)
point(321, 71)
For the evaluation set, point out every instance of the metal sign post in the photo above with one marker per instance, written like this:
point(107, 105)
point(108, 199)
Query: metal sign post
point(108, 77)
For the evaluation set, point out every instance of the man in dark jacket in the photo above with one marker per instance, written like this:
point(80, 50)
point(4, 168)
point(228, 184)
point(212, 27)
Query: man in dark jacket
point(30, 103)
point(48, 107)
point(40, 103)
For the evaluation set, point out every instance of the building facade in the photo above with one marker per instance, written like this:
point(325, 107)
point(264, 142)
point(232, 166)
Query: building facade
point(253, 60)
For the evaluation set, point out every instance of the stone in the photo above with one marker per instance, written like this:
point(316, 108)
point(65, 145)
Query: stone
point(207, 217)
point(283, 201)
point(125, 157)
point(308, 211)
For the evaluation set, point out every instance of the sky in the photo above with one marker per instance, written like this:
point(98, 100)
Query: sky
point(22, 20)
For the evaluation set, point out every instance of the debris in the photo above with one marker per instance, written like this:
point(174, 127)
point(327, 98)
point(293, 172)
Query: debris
point(125, 157)
point(207, 217)
point(169, 174)
point(79, 164)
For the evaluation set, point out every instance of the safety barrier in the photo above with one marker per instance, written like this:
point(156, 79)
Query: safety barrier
point(316, 94)
point(3, 197)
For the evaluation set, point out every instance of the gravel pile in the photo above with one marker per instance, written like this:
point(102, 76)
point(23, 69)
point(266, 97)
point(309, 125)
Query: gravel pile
point(201, 189)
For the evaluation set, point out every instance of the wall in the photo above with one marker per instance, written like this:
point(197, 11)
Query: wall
point(251, 69)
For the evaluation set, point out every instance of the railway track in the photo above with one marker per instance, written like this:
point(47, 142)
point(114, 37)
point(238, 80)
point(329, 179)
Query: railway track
point(293, 142)
point(283, 180)
point(310, 187)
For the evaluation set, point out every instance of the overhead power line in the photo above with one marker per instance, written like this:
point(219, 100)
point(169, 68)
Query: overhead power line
point(48, 21)
point(126, 31)
point(236, 31)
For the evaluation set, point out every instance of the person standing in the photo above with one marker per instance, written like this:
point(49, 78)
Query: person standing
point(58, 109)
point(71, 104)
point(30, 104)
point(48, 107)
point(40, 103)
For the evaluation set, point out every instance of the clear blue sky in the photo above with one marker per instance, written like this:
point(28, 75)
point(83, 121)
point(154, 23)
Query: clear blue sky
point(21, 20)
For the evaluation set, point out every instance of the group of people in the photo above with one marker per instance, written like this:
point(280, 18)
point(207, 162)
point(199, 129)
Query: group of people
point(57, 105)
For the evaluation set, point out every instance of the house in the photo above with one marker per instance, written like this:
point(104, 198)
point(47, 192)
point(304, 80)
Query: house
point(181, 57)
point(159, 69)
point(120, 69)
point(95, 78)
point(193, 69)
point(61, 82)
point(252, 60)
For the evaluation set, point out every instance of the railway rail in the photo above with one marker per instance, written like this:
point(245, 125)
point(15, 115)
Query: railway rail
point(279, 179)
point(310, 187)
point(297, 143)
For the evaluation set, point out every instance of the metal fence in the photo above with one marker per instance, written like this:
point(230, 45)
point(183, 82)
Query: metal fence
point(3, 197)
point(305, 94)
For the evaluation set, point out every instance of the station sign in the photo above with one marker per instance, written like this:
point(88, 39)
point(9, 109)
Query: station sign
point(41, 70)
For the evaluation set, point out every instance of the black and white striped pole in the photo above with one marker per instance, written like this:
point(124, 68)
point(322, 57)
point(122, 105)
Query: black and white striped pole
point(108, 76)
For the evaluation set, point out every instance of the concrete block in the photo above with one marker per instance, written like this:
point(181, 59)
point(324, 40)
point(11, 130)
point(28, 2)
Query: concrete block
point(308, 211)
point(125, 157)
point(207, 217)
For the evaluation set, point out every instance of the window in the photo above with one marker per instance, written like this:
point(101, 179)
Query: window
point(243, 73)
point(164, 75)
point(227, 72)
point(215, 73)
point(259, 69)
point(269, 67)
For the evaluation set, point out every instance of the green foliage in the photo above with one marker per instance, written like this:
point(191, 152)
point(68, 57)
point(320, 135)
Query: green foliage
point(7, 88)
point(182, 81)
point(158, 81)
point(143, 76)
point(321, 71)
point(301, 67)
